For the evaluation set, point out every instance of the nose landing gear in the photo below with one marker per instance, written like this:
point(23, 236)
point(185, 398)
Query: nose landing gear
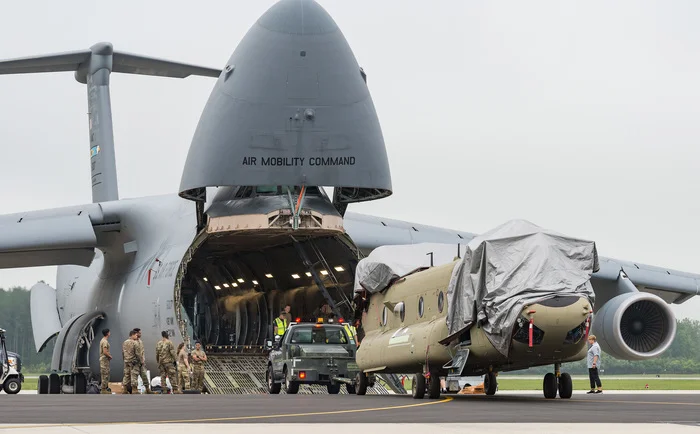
point(557, 382)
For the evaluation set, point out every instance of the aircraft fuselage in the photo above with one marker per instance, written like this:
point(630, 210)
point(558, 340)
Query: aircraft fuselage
point(409, 341)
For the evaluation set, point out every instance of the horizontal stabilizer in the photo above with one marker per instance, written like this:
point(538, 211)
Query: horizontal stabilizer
point(69, 61)
point(135, 64)
point(45, 321)
point(47, 241)
point(120, 62)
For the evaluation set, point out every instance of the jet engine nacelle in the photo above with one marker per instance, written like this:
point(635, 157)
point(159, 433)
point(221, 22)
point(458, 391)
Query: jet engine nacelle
point(634, 326)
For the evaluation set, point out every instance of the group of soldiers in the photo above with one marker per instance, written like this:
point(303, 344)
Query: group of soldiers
point(177, 365)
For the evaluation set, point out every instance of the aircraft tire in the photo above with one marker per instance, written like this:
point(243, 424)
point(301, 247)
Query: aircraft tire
point(490, 383)
point(549, 386)
point(434, 387)
point(566, 387)
point(79, 384)
point(272, 387)
point(350, 388)
point(54, 384)
point(418, 387)
point(43, 385)
point(361, 384)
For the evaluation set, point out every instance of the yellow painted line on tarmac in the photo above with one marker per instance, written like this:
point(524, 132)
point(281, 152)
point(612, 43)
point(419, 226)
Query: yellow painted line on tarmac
point(229, 419)
point(692, 404)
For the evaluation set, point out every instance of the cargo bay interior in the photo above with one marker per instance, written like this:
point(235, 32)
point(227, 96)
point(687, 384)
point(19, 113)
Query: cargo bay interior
point(235, 285)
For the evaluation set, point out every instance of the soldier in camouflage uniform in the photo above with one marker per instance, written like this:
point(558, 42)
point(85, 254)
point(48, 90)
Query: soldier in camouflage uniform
point(105, 357)
point(198, 359)
point(183, 369)
point(129, 357)
point(165, 357)
point(142, 358)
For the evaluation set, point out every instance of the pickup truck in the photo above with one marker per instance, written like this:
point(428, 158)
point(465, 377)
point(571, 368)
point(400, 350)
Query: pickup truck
point(312, 354)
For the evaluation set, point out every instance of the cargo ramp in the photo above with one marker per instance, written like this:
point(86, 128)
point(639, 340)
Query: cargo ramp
point(244, 374)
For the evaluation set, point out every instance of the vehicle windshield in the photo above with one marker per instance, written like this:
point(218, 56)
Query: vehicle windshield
point(318, 335)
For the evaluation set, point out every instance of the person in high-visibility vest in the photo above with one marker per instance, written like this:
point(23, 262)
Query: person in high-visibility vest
point(350, 330)
point(281, 324)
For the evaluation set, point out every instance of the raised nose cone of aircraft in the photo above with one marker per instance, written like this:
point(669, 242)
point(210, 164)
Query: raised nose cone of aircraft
point(298, 17)
point(291, 107)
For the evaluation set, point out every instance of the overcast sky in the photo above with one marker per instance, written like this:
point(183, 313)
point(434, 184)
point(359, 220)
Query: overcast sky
point(580, 117)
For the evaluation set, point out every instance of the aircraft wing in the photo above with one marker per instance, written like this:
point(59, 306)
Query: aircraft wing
point(671, 285)
point(57, 236)
point(370, 232)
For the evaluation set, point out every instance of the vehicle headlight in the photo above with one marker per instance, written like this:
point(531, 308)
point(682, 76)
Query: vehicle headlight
point(12, 361)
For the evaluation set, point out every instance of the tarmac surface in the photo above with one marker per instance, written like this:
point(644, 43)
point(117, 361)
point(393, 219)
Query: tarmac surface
point(30, 410)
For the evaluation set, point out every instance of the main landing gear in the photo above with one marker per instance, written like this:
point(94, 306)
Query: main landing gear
point(557, 382)
point(420, 385)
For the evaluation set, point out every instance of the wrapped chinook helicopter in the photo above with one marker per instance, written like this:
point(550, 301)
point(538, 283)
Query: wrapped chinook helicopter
point(519, 297)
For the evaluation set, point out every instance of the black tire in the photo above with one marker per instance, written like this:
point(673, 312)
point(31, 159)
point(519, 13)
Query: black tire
point(333, 389)
point(350, 388)
point(272, 387)
point(361, 383)
point(434, 387)
point(12, 386)
point(549, 386)
point(418, 387)
point(291, 387)
point(54, 384)
point(43, 385)
point(79, 384)
point(490, 383)
point(566, 386)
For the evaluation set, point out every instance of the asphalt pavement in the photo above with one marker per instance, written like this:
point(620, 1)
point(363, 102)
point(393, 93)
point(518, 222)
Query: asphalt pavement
point(501, 408)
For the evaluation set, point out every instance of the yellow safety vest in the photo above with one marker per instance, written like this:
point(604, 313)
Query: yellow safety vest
point(281, 326)
point(351, 331)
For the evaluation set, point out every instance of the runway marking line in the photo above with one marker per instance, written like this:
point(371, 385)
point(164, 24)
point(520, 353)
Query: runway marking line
point(223, 419)
point(692, 404)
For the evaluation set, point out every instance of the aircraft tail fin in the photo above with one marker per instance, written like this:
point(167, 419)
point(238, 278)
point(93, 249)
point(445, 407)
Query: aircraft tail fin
point(93, 68)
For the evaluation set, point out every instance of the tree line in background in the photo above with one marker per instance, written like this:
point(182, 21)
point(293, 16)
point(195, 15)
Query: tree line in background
point(683, 357)
point(15, 318)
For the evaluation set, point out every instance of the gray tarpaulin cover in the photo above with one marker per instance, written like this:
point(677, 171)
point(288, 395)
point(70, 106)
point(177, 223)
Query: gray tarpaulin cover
point(386, 263)
point(515, 264)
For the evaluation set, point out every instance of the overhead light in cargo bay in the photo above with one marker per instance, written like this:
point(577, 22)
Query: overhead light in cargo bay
point(268, 275)
point(234, 284)
point(296, 276)
point(255, 282)
point(225, 285)
point(206, 280)
point(308, 274)
point(217, 287)
point(339, 268)
point(324, 272)
point(241, 280)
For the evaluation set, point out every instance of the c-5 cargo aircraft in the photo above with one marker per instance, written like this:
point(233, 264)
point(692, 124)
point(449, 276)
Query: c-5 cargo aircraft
point(251, 228)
